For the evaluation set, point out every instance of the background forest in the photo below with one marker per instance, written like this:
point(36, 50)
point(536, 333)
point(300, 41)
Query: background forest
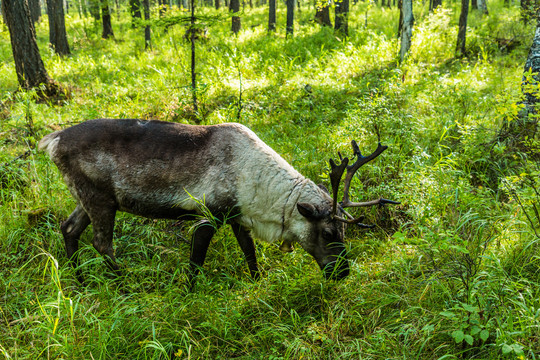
point(452, 272)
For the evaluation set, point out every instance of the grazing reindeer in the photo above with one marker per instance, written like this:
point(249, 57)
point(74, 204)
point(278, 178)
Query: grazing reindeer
point(164, 170)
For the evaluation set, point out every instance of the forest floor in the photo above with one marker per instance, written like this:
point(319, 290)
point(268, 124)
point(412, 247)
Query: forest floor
point(452, 272)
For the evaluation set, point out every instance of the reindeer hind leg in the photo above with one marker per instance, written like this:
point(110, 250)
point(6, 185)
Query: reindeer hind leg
point(72, 229)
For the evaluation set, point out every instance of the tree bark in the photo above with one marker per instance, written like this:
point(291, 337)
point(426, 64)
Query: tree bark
point(516, 132)
point(236, 24)
point(482, 6)
point(532, 65)
point(342, 17)
point(406, 34)
point(400, 25)
point(322, 14)
point(94, 6)
point(290, 18)
point(57, 27)
point(474, 4)
point(29, 66)
point(462, 31)
point(435, 4)
point(217, 4)
point(35, 10)
point(135, 9)
point(106, 18)
point(193, 64)
point(271, 15)
point(147, 35)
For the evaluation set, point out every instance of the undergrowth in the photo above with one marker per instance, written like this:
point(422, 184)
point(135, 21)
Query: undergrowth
point(450, 273)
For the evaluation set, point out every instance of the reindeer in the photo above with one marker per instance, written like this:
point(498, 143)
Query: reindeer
point(175, 171)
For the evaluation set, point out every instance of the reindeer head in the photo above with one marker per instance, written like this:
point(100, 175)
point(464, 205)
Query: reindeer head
point(328, 223)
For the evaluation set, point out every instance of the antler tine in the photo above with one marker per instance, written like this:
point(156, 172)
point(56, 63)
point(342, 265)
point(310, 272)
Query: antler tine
point(351, 169)
point(336, 172)
point(353, 221)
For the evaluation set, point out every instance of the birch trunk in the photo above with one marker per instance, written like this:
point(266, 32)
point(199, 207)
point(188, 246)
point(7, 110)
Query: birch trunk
point(406, 33)
point(482, 6)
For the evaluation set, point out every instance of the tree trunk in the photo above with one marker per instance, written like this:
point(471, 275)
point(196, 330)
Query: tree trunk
point(342, 17)
point(106, 18)
point(193, 73)
point(482, 6)
point(57, 27)
point(217, 4)
point(29, 66)
point(271, 15)
point(462, 31)
point(94, 6)
point(532, 65)
point(322, 14)
point(162, 6)
point(290, 18)
point(147, 35)
point(135, 9)
point(516, 133)
point(435, 4)
point(406, 34)
point(474, 4)
point(35, 10)
point(400, 25)
point(236, 24)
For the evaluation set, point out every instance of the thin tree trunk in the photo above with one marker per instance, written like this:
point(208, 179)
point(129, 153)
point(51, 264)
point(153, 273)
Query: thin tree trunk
point(94, 6)
point(462, 31)
point(322, 14)
point(106, 18)
point(271, 15)
point(217, 4)
point(342, 17)
point(482, 6)
point(162, 5)
point(290, 18)
point(147, 35)
point(406, 34)
point(29, 66)
point(435, 4)
point(135, 9)
point(400, 25)
point(474, 4)
point(57, 27)
point(236, 24)
point(193, 73)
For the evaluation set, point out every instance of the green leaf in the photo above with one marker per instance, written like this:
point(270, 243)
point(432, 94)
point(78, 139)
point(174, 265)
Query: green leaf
point(469, 308)
point(469, 339)
point(447, 314)
point(475, 330)
point(458, 336)
point(506, 349)
point(484, 334)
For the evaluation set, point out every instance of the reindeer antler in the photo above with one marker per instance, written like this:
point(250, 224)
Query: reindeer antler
point(336, 172)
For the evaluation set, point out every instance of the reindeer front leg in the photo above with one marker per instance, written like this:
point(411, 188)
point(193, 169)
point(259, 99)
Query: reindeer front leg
point(248, 247)
point(199, 246)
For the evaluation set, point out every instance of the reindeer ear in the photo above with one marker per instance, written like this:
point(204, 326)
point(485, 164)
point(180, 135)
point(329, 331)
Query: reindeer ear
point(308, 210)
point(324, 188)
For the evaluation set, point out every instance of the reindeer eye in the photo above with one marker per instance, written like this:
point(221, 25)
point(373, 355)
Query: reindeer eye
point(327, 235)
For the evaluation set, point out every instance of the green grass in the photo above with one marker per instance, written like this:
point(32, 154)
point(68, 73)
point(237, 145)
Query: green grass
point(451, 273)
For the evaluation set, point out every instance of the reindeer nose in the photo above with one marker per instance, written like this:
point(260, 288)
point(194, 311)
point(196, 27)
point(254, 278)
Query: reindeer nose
point(337, 270)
